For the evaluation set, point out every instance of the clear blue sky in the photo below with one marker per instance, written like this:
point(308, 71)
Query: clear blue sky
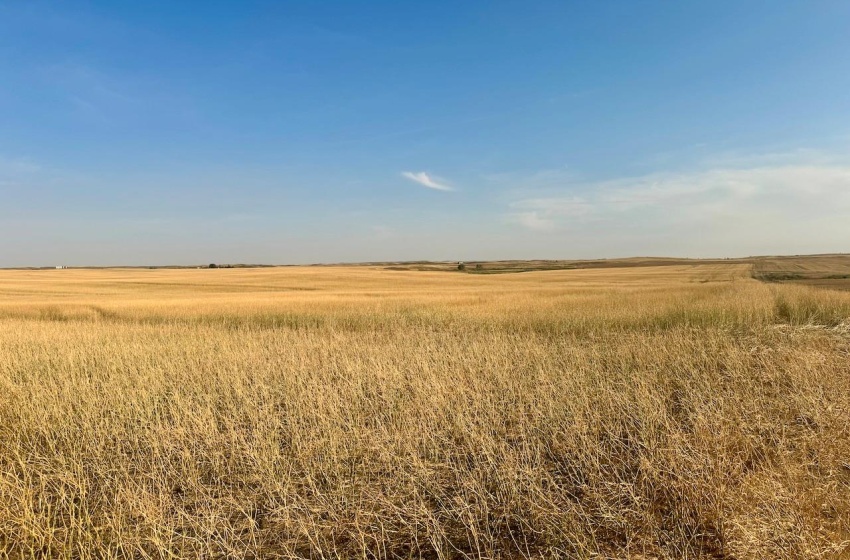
point(296, 132)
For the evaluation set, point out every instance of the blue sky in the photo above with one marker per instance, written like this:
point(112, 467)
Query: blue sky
point(298, 132)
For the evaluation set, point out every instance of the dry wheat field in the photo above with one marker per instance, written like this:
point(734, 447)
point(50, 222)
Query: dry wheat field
point(683, 411)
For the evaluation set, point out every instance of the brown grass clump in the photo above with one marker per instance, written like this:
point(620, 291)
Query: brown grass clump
point(660, 412)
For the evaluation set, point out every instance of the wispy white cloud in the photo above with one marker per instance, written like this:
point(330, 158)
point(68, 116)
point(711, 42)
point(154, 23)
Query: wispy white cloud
point(427, 181)
point(380, 231)
point(535, 220)
point(778, 189)
point(801, 204)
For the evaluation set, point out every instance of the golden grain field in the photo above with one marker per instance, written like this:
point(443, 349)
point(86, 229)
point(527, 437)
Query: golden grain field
point(330, 412)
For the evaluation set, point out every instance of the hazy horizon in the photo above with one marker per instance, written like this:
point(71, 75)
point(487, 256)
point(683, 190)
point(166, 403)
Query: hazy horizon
point(283, 133)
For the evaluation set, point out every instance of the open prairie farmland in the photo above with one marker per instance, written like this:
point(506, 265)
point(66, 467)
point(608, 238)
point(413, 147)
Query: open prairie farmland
point(679, 411)
point(821, 271)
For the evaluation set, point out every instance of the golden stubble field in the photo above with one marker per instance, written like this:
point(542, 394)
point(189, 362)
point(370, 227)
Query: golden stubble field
point(330, 412)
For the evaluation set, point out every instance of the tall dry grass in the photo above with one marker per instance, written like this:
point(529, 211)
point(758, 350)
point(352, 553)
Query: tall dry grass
point(666, 412)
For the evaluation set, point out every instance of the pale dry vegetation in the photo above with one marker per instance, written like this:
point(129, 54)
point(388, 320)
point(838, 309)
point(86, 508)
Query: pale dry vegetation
point(659, 412)
point(821, 271)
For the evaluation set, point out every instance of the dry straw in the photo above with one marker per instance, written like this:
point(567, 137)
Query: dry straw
point(657, 412)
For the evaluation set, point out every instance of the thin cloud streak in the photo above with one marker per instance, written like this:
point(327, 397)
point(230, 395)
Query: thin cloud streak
point(792, 207)
point(426, 180)
point(782, 191)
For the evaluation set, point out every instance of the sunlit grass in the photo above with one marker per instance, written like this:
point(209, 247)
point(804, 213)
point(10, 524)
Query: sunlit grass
point(678, 411)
